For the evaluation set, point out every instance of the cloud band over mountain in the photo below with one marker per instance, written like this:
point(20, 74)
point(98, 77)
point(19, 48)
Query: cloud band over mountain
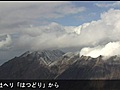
point(37, 29)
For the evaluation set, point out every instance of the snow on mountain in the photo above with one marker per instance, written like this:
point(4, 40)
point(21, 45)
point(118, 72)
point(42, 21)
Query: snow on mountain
point(45, 55)
point(55, 64)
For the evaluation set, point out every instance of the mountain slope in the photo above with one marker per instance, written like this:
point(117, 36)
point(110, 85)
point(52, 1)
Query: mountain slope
point(93, 68)
point(30, 65)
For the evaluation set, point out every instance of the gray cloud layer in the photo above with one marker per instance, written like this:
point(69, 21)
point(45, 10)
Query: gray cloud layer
point(18, 14)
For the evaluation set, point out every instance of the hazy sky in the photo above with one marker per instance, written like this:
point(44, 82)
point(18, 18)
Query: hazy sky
point(58, 25)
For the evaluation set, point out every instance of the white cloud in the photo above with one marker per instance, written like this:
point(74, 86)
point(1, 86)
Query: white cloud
point(4, 44)
point(110, 49)
point(107, 32)
point(48, 36)
point(109, 4)
point(54, 35)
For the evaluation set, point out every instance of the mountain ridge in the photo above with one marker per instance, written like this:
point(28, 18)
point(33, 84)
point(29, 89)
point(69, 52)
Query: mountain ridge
point(55, 64)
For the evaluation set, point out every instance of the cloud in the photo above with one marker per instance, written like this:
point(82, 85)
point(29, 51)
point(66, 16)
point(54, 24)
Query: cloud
point(49, 36)
point(92, 35)
point(5, 43)
point(54, 35)
point(110, 49)
point(108, 4)
point(106, 34)
point(14, 15)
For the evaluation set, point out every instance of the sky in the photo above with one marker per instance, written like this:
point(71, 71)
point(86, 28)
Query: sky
point(85, 26)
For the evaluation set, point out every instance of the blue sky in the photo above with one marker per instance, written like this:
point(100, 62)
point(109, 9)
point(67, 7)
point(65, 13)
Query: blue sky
point(91, 12)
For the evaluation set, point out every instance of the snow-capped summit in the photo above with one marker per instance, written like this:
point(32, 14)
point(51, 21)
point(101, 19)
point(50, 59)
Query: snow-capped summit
point(45, 55)
point(26, 53)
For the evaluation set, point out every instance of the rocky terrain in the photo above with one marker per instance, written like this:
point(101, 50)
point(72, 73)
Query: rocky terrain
point(55, 64)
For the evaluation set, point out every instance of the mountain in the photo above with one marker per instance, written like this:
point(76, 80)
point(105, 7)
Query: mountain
point(93, 68)
point(46, 56)
point(30, 65)
point(55, 64)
